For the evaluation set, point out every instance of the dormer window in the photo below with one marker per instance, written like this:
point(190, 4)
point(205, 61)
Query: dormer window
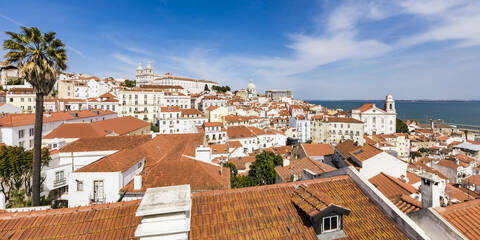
point(331, 224)
point(324, 214)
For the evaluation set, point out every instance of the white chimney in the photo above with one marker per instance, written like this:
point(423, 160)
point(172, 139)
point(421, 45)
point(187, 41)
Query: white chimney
point(286, 162)
point(165, 212)
point(203, 153)
point(2, 201)
point(432, 188)
point(137, 182)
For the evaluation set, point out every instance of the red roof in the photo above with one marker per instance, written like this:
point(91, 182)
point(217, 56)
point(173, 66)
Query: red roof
point(464, 217)
point(22, 119)
point(92, 144)
point(366, 152)
point(296, 168)
point(269, 212)
point(101, 221)
point(120, 126)
point(319, 149)
point(169, 161)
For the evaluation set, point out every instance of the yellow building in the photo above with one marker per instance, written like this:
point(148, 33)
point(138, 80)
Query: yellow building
point(216, 114)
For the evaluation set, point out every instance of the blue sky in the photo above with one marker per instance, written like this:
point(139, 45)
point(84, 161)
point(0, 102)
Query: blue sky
point(329, 50)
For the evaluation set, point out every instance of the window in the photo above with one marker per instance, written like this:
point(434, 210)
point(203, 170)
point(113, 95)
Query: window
point(21, 133)
point(330, 224)
point(20, 143)
point(59, 176)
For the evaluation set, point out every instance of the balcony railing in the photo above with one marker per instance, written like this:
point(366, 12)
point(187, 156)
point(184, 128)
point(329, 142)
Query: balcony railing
point(60, 182)
point(96, 198)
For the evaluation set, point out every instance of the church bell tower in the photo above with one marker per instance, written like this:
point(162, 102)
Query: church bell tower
point(389, 104)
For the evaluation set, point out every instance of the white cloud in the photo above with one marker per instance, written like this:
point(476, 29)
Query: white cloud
point(429, 7)
point(11, 20)
point(75, 50)
point(124, 59)
point(128, 46)
point(343, 41)
point(450, 20)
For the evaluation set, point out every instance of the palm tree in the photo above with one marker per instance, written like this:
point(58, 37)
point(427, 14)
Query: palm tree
point(38, 57)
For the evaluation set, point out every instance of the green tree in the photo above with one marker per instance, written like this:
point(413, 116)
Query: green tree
point(221, 88)
point(154, 127)
point(262, 171)
point(423, 150)
point(38, 57)
point(414, 155)
point(401, 127)
point(15, 81)
point(206, 89)
point(129, 83)
point(16, 174)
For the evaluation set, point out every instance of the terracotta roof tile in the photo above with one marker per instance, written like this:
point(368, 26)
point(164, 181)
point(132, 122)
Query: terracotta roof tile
point(407, 204)
point(169, 161)
point(21, 119)
point(317, 149)
point(120, 126)
point(296, 168)
point(345, 147)
point(391, 187)
point(105, 143)
point(455, 193)
point(464, 217)
point(365, 152)
point(235, 132)
point(343, 120)
point(102, 221)
point(267, 212)
point(241, 162)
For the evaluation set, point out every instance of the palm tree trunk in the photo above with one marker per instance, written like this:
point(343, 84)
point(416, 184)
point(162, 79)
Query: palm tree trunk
point(37, 150)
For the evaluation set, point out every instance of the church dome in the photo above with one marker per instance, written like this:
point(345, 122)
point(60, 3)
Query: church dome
point(139, 67)
point(251, 86)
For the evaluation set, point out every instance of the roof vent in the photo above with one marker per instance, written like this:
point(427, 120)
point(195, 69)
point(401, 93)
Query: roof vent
point(165, 212)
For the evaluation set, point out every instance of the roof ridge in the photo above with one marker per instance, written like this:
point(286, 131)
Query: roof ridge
point(273, 186)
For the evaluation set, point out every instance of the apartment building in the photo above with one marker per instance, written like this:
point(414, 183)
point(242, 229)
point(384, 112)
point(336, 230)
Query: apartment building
point(23, 98)
point(18, 129)
point(173, 120)
point(333, 130)
point(141, 103)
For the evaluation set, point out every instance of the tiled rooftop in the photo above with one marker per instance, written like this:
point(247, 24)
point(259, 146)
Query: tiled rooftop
point(267, 212)
point(105, 143)
point(103, 221)
point(464, 217)
point(296, 168)
point(120, 126)
point(169, 161)
point(317, 149)
point(365, 152)
point(391, 187)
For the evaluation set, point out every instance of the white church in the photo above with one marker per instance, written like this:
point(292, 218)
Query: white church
point(148, 77)
point(377, 120)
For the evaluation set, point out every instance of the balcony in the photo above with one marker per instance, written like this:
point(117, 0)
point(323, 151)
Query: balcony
point(60, 182)
point(96, 198)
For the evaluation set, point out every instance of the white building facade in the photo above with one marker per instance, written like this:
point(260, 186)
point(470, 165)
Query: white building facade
point(377, 120)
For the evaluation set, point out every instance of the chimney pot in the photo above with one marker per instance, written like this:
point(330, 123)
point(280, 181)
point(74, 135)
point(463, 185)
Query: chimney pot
point(137, 182)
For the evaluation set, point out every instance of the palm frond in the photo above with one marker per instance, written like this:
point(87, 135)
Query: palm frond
point(38, 57)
